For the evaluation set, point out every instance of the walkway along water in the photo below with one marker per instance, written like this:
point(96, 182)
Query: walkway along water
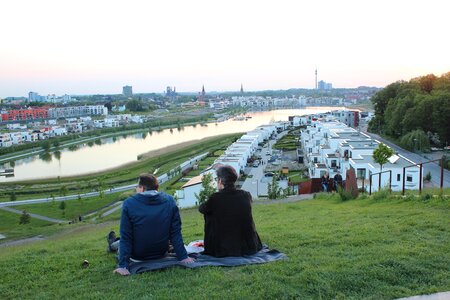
point(163, 178)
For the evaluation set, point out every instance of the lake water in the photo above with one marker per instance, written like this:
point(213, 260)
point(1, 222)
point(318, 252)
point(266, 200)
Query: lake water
point(117, 151)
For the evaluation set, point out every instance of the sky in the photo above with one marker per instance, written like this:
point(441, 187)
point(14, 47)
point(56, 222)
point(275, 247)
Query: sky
point(96, 47)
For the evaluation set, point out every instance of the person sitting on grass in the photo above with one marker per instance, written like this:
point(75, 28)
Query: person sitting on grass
point(229, 226)
point(150, 219)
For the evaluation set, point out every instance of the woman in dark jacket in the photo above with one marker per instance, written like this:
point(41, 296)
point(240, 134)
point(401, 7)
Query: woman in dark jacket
point(229, 226)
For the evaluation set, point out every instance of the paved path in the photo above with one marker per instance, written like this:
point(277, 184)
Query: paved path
point(16, 211)
point(437, 296)
point(23, 241)
point(433, 168)
point(118, 205)
point(258, 184)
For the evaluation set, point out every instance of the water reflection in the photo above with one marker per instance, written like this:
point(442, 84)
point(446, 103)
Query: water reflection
point(112, 152)
point(46, 156)
point(57, 154)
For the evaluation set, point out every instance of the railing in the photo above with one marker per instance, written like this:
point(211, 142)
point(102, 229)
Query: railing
point(379, 180)
point(420, 165)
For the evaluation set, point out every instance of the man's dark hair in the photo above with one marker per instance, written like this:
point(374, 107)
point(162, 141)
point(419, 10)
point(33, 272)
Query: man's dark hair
point(227, 175)
point(148, 182)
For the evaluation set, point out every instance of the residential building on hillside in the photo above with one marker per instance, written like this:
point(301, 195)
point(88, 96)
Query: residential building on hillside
point(331, 146)
point(77, 111)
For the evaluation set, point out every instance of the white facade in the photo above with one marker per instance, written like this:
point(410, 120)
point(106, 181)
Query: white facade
point(332, 146)
point(77, 111)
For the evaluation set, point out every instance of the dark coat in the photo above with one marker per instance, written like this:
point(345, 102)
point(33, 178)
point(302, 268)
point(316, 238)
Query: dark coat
point(229, 226)
point(147, 224)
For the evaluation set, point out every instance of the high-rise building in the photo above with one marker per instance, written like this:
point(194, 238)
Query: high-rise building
point(324, 85)
point(35, 97)
point(127, 90)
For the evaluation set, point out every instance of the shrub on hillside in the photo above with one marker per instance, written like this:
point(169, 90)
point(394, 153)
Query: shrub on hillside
point(345, 195)
point(381, 194)
point(24, 218)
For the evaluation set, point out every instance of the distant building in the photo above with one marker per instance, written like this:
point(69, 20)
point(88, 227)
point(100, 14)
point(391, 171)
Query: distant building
point(171, 93)
point(25, 114)
point(322, 85)
point(77, 111)
point(35, 97)
point(127, 90)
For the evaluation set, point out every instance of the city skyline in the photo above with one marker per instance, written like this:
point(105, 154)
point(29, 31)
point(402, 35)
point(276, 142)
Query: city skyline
point(97, 47)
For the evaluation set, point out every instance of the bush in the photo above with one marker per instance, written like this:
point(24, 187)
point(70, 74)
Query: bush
point(24, 218)
point(381, 194)
point(426, 197)
point(427, 177)
point(345, 195)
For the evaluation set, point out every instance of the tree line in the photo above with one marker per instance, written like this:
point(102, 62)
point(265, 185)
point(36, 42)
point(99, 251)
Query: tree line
point(415, 112)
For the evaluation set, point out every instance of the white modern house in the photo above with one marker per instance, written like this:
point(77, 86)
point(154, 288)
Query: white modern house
point(331, 146)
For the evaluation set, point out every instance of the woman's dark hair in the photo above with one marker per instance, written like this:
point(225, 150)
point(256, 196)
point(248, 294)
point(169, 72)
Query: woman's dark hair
point(148, 182)
point(227, 175)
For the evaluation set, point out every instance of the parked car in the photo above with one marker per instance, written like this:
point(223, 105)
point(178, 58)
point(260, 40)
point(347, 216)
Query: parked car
point(269, 174)
point(256, 163)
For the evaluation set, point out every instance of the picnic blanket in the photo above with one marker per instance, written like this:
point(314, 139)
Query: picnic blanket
point(263, 256)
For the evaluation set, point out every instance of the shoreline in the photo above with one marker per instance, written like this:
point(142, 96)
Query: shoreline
point(143, 157)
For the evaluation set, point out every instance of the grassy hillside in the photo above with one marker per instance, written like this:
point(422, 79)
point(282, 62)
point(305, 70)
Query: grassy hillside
point(360, 249)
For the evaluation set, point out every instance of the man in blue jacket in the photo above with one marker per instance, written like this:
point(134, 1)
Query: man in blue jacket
point(150, 219)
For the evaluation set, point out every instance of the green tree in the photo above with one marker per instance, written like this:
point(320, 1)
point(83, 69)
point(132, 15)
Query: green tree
point(46, 145)
point(273, 189)
point(416, 140)
point(13, 196)
point(25, 218)
point(381, 154)
point(207, 189)
point(63, 190)
point(135, 105)
point(62, 205)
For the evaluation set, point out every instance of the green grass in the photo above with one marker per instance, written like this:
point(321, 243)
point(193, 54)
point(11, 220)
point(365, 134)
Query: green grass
point(9, 226)
point(74, 208)
point(359, 249)
point(288, 142)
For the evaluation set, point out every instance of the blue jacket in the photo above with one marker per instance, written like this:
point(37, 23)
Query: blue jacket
point(149, 220)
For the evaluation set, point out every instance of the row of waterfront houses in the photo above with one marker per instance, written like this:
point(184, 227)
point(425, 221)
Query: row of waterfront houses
point(236, 155)
point(331, 146)
point(19, 134)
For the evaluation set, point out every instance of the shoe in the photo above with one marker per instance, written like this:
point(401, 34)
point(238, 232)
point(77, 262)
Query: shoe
point(111, 238)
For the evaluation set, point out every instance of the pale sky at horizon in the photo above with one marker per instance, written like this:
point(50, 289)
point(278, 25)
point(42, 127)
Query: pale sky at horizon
point(96, 47)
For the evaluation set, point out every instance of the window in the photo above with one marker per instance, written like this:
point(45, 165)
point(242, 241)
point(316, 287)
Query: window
point(398, 177)
point(333, 163)
point(315, 159)
point(409, 178)
point(360, 173)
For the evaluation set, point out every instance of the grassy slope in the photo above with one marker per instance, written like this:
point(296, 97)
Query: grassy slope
point(357, 249)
